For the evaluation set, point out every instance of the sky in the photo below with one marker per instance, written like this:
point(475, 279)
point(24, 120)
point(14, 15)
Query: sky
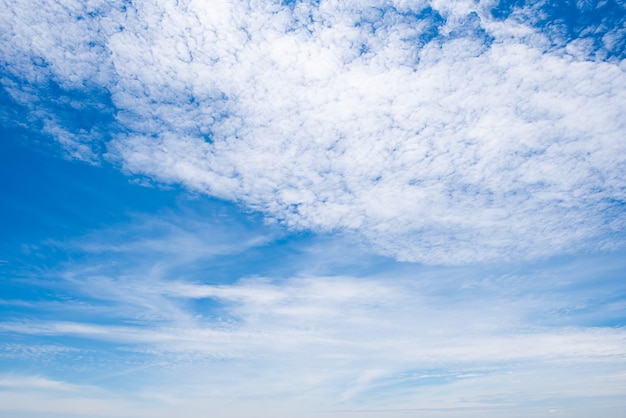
point(312, 208)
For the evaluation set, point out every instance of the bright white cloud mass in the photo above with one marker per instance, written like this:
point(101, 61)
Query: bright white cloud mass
point(336, 208)
point(438, 132)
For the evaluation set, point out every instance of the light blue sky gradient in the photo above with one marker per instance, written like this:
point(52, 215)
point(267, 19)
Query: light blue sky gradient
point(312, 209)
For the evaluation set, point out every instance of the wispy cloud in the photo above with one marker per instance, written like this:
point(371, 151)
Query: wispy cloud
point(405, 339)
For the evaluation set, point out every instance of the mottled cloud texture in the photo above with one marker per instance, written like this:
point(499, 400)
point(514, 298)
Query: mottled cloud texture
point(439, 132)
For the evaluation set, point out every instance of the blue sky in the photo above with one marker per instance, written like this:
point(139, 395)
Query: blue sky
point(312, 208)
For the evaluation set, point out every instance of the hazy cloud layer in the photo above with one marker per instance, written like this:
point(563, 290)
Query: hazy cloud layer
point(439, 341)
point(167, 313)
point(441, 133)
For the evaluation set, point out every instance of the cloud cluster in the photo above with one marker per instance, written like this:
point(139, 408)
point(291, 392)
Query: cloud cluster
point(440, 133)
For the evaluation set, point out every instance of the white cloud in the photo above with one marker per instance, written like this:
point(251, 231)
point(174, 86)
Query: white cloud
point(34, 382)
point(337, 343)
point(384, 322)
point(341, 116)
point(153, 338)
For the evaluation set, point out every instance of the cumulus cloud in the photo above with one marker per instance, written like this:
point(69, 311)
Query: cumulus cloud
point(440, 133)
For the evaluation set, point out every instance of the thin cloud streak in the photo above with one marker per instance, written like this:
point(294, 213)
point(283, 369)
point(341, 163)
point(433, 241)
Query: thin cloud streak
point(401, 337)
point(356, 335)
